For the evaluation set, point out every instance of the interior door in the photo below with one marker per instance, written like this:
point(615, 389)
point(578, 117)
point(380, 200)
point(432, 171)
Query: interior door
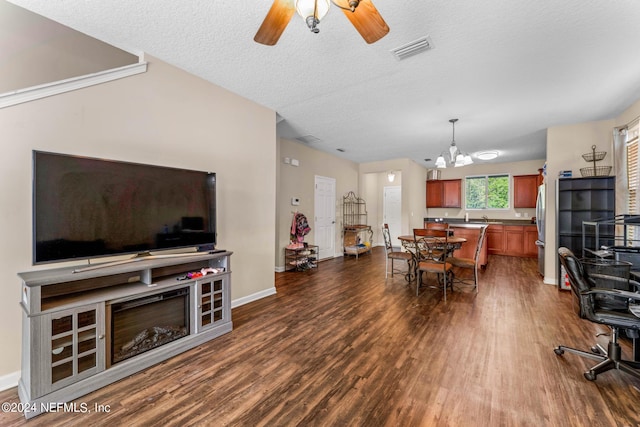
point(325, 216)
point(393, 212)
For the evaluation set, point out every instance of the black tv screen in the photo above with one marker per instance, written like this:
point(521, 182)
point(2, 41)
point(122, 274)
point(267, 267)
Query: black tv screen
point(86, 208)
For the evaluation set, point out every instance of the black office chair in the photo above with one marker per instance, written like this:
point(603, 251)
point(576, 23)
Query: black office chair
point(608, 307)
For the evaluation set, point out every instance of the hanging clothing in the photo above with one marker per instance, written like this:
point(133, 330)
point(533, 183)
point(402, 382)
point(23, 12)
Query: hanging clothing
point(299, 227)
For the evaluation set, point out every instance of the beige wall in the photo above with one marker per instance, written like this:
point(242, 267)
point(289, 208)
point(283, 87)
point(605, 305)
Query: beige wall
point(514, 168)
point(39, 51)
point(298, 181)
point(412, 177)
point(565, 146)
point(166, 117)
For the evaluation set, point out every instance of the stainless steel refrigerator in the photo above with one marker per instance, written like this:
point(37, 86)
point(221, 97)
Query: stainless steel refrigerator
point(540, 224)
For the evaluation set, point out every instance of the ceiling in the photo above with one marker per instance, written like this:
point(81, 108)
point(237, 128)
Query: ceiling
point(507, 69)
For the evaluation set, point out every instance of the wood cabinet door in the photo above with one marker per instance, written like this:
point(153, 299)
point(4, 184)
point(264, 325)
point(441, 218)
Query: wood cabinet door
point(434, 194)
point(530, 237)
point(452, 192)
point(495, 239)
point(514, 240)
point(525, 191)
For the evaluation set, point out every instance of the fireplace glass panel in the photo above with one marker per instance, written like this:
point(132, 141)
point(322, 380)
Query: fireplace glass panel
point(143, 324)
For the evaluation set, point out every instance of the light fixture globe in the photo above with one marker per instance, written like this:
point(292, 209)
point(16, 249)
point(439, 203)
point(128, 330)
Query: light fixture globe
point(312, 11)
point(487, 155)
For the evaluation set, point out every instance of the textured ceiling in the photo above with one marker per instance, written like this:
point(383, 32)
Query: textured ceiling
point(507, 69)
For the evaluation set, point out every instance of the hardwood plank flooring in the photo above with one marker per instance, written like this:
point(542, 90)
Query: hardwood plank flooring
point(342, 346)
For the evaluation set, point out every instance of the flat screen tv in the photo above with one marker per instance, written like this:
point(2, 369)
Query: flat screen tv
point(86, 208)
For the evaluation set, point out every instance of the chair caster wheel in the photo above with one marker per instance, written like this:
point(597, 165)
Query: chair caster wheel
point(558, 351)
point(589, 375)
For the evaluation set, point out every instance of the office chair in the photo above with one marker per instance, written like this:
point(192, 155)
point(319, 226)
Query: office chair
point(470, 263)
point(590, 306)
point(392, 254)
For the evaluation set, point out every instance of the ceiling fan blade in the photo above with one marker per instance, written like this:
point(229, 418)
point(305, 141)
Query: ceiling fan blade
point(275, 22)
point(367, 20)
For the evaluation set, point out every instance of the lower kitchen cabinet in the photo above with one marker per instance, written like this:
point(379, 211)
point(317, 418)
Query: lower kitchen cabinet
point(512, 240)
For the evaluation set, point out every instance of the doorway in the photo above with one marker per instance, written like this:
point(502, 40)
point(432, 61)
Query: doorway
point(392, 207)
point(325, 216)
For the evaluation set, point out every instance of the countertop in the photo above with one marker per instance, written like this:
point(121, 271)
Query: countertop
point(474, 222)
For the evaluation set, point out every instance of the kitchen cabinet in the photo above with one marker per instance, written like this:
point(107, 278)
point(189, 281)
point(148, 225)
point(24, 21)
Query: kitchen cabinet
point(495, 239)
point(512, 240)
point(445, 193)
point(530, 237)
point(525, 191)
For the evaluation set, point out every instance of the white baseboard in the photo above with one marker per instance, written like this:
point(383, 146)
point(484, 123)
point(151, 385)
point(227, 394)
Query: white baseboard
point(279, 269)
point(253, 297)
point(10, 380)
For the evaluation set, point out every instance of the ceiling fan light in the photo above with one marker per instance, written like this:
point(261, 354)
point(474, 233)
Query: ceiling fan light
point(307, 8)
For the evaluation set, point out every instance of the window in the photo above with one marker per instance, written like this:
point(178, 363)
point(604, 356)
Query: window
point(633, 176)
point(632, 168)
point(487, 192)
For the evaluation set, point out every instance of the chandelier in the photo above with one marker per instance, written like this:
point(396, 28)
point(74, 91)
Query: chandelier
point(455, 155)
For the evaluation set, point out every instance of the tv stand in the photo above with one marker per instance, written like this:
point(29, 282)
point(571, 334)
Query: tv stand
point(68, 323)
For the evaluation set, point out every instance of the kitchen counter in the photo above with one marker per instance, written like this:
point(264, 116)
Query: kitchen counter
point(458, 222)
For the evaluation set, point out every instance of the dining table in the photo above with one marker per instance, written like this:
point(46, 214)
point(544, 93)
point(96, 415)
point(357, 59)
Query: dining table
point(408, 242)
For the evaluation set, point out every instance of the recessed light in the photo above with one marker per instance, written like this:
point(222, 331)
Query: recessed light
point(486, 155)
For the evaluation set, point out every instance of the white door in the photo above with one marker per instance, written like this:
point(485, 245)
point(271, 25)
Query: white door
point(393, 212)
point(325, 216)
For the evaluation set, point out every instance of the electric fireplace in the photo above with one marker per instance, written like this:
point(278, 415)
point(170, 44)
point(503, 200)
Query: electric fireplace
point(143, 324)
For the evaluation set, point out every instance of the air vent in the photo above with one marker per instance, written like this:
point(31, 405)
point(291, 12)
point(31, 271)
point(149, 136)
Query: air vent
point(307, 139)
point(412, 48)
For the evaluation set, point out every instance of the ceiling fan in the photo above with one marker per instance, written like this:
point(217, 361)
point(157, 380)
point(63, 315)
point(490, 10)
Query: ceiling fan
point(362, 14)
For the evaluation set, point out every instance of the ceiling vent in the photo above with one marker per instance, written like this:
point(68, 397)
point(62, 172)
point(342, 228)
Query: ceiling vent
point(307, 139)
point(412, 48)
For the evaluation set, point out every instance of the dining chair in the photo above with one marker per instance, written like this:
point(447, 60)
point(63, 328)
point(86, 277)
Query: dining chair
point(431, 247)
point(393, 254)
point(470, 263)
point(436, 250)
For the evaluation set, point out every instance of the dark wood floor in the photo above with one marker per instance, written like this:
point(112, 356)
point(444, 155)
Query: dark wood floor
point(342, 346)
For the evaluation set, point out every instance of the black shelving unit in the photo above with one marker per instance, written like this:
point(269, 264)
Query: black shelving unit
point(584, 199)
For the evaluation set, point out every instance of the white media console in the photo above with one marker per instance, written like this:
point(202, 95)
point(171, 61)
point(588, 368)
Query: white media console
point(84, 329)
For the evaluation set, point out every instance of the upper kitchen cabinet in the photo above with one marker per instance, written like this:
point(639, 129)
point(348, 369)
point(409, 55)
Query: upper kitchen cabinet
point(525, 191)
point(444, 193)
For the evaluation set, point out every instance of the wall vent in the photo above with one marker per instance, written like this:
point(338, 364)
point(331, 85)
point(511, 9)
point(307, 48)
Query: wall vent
point(307, 139)
point(412, 48)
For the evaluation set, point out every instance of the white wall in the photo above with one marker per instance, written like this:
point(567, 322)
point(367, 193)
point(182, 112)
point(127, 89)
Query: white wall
point(166, 117)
